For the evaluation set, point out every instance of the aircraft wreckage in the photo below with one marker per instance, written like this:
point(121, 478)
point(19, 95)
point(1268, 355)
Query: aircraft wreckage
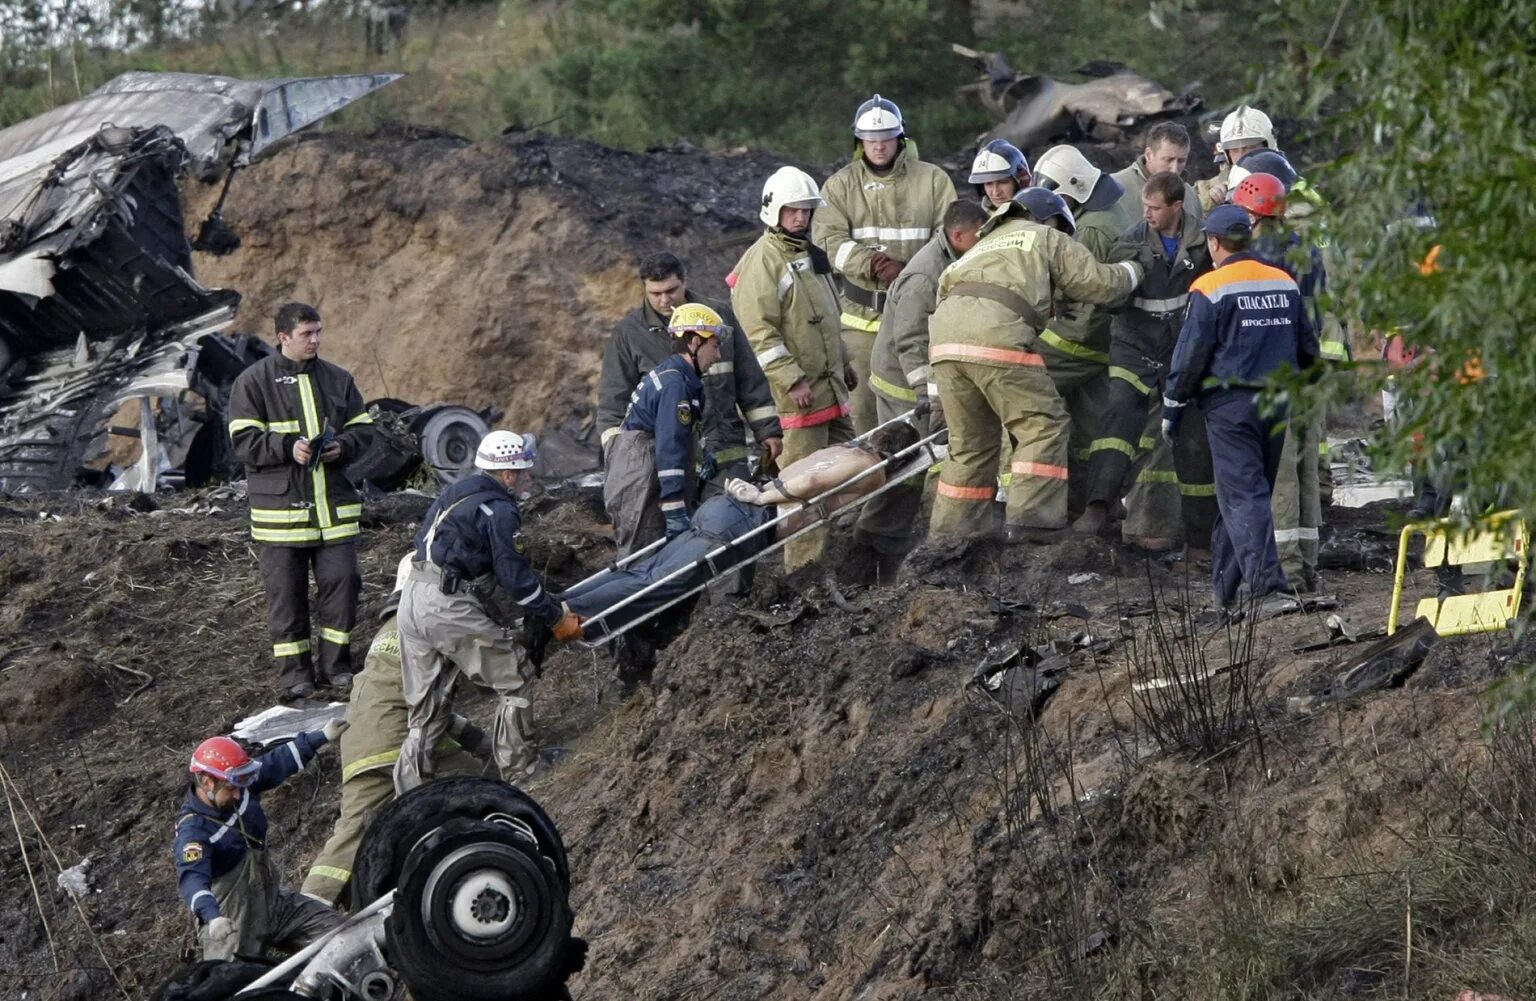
point(101, 320)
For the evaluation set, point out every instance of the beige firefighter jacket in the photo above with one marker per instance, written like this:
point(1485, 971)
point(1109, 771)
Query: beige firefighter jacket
point(787, 307)
point(898, 366)
point(1134, 178)
point(894, 214)
point(1080, 329)
point(1030, 261)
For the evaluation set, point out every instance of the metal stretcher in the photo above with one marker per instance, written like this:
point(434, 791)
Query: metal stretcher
point(914, 460)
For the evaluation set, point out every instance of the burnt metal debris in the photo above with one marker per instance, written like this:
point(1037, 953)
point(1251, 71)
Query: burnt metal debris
point(99, 309)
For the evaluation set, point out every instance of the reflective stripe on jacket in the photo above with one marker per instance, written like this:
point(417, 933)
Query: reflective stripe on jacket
point(898, 366)
point(895, 213)
point(789, 312)
point(1134, 180)
point(1081, 329)
point(667, 405)
point(735, 388)
point(1150, 322)
point(1029, 260)
point(274, 403)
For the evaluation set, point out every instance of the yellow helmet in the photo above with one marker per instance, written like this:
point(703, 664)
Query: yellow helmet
point(695, 318)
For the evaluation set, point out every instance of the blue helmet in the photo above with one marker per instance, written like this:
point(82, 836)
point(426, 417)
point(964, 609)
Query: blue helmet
point(1272, 162)
point(998, 160)
point(1044, 205)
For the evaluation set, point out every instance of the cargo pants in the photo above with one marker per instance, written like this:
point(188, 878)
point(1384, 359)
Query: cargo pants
point(1297, 504)
point(632, 493)
point(442, 636)
point(888, 523)
point(285, 572)
point(858, 346)
point(1246, 452)
point(1082, 380)
point(1023, 400)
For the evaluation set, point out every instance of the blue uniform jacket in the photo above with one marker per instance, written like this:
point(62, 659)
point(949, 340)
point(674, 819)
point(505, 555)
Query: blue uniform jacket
point(209, 843)
point(1245, 321)
point(1280, 249)
point(479, 535)
point(667, 405)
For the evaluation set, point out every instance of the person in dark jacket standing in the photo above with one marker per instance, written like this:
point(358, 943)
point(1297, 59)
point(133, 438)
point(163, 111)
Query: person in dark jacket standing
point(469, 545)
point(223, 871)
point(295, 420)
point(736, 393)
point(1246, 321)
point(650, 486)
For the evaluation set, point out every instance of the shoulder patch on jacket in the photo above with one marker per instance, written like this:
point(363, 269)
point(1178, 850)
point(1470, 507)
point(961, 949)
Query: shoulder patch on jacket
point(192, 852)
point(519, 544)
point(685, 413)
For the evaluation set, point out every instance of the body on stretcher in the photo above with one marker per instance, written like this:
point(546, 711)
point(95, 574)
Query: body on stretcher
point(664, 580)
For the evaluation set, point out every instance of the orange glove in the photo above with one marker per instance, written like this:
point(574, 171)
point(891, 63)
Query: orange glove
point(568, 628)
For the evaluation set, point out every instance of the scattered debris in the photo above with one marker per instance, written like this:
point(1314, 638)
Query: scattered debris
point(1385, 664)
point(1088, 577)
point(279, 723)
point(1034, 110)
point(74, 880)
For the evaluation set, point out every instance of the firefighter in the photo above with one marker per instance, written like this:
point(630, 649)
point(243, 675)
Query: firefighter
point(999, 172)
point(223, 870)
point(1246, 321)
point(736, 394)
point(1167, 150)
point(1242, 132)
point(879, 210)
point(1171, 249)
point(650, 485)
point(467, 546)
point(295, 420)
point(1076, 344)
point(902, 379)
point(785, 300)
point(376, 727)
point(983, 345)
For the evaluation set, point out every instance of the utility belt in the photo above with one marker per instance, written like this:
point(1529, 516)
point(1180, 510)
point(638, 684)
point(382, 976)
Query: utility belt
point(1004, 296)
point(451, 581)
point(860, 296)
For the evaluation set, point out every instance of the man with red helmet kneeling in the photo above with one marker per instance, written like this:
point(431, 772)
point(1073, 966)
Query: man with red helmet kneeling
point(222, 867)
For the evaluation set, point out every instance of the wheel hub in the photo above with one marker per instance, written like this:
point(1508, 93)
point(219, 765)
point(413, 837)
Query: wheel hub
point(484, 904)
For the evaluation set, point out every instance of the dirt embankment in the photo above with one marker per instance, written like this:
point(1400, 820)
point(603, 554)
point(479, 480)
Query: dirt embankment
point(487, 274)
point(808, 800)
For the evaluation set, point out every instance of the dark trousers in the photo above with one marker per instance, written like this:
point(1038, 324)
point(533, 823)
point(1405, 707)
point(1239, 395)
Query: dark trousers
point(1133, 379)
point(285, 572)
point(1245, 447)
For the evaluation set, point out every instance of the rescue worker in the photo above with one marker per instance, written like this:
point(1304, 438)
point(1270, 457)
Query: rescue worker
point(468, 545)
point(999, 172)
point(1297, 508)
point(786, 302)
point(879, 210)
point(736, 394)
point(1076, 344)
point(1243, 131)
point(902, 378)
point(1171, 249)
point(650, 484)
point(376, 727)
point(1245, 322)
point(295, 420)
point(984, 348)
point(223, 870)
point(1166, 151)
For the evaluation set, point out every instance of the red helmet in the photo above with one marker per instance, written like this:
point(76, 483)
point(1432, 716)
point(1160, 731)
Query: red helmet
point(224, 759)
point(1261, 194)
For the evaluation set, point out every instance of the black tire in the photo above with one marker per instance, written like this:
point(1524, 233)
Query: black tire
point(481, 915)
point(397, 828)
point(216, 980)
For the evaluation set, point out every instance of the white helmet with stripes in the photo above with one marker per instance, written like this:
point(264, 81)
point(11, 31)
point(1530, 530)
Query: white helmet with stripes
point(506, 450)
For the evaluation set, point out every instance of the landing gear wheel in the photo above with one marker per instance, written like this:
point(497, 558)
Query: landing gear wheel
point(389, 839)
point(448, 440)
point(481, 915)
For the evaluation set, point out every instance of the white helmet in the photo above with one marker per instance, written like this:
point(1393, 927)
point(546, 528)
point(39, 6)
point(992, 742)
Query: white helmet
point(878, 118)
point(998, 160)
point(1247, 127)
point(506, 450)
point(1236, 176)
point(788, 188)
point(403, 571)
point(1069, 171)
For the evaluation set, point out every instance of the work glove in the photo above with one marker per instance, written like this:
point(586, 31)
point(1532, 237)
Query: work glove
point(223, 937)
point(470, 737)
point(334, 729)
point(677, 523)
point(535, 641)
point(1170, 426)
point(709, 468)
point(885, 268)
point(569, 626)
